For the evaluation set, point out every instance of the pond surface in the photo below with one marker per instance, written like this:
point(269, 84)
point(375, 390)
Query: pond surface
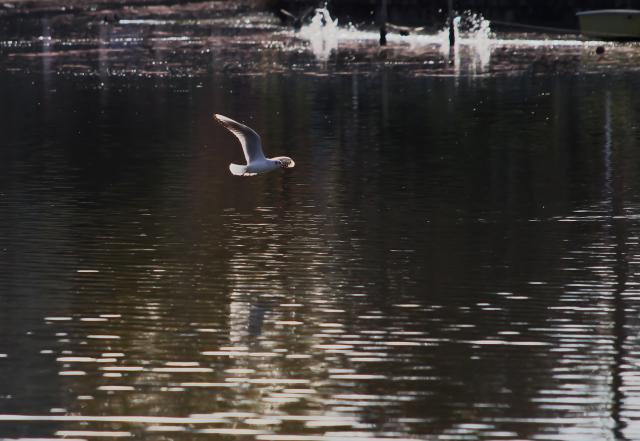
point(454, 256)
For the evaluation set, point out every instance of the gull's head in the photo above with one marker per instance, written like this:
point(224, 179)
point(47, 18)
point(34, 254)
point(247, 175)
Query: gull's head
point(284, 162)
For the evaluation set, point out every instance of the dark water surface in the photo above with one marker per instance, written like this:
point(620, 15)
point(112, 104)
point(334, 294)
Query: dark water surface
point(451, 258)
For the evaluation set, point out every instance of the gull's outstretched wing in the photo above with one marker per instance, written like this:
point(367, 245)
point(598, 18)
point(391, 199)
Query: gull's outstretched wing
point(250, 140)
point(288, 14)
point(306, 12)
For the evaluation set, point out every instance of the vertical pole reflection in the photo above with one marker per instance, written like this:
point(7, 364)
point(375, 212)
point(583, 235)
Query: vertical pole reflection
point(48, 116)
point(614, 198)
point(385, 99)
point(46, 57)
point(607, 147)
point(103, 47)
point(103, 64)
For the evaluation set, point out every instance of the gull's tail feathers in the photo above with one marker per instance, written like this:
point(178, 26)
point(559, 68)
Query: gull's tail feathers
point(239, 170)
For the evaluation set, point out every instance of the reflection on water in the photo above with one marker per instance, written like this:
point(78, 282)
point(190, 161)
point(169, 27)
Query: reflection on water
point(462, 270)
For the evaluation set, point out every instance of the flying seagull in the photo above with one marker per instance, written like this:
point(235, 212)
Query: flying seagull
point(297, 20)
point(252, 147)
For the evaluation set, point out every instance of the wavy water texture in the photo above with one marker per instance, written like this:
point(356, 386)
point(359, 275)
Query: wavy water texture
point(464, 269)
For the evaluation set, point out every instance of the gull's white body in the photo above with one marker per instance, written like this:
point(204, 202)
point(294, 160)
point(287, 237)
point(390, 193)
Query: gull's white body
point(252, 147)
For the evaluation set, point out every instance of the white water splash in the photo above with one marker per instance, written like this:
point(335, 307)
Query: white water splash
point(483, 42)
point(473, 34)
point(472, 52)
point(322, 34)
point(471, 31)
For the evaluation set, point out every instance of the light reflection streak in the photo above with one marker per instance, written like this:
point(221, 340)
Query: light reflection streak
point(621, 273)
point(94, 433)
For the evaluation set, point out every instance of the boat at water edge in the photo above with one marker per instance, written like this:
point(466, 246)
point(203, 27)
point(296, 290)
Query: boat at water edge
point(610, 24)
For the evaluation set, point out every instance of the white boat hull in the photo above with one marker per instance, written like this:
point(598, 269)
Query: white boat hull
point(610, 24)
